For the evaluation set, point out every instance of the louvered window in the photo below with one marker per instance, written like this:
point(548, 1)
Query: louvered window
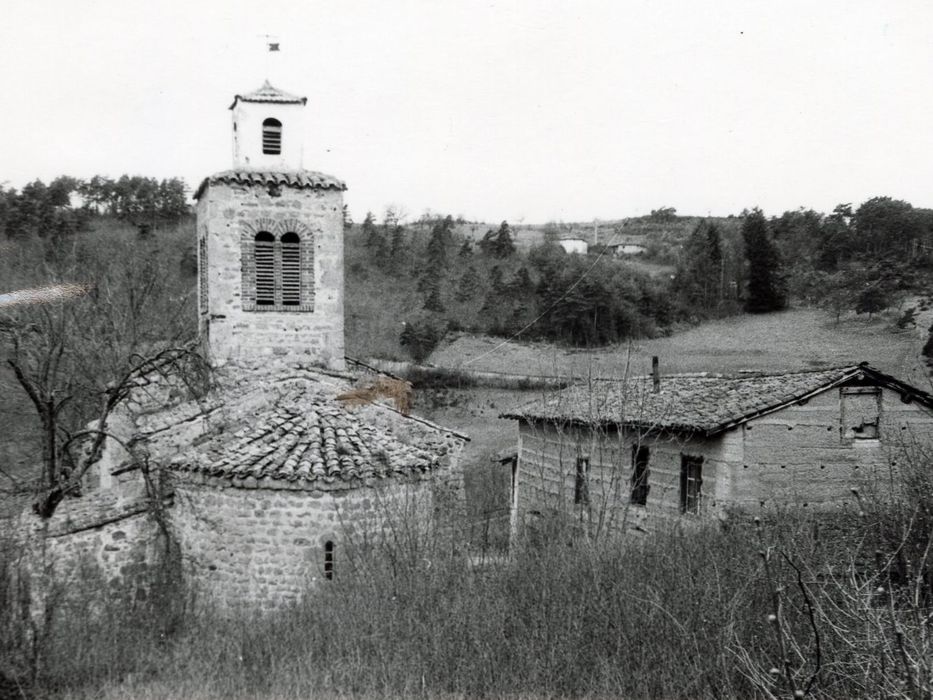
point(291, 269)
point(265, 268)
point(272, 137)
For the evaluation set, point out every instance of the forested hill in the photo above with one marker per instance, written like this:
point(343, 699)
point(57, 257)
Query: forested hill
point(410, 283)
point(440, 274)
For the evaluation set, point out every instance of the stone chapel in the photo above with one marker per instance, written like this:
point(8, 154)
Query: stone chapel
point(260, 479)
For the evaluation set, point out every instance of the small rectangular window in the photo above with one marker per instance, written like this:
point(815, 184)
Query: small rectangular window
point(202, 274)
point(640, 456)
point(861, 413)
point(329, 560)
point(581, 491)
point(691, 483)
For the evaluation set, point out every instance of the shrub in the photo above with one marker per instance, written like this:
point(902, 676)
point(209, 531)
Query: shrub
point(420, 337)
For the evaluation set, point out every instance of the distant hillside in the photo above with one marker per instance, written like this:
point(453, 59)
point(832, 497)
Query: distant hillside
point(639, 230)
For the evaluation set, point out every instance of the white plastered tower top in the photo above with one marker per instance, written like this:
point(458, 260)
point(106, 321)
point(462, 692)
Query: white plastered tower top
point(268, 128)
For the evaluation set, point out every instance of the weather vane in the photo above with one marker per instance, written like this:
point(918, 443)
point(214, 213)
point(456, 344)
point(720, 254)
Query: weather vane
point(272, 44)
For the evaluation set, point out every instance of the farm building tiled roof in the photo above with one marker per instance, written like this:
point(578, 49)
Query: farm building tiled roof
point(706, 404)
point(311, 441)
point(268, 93)
point(299, 179)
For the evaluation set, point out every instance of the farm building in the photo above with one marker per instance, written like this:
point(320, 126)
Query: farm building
point(622, 249)
point(574, 245)
point(259, 471)
point(621, 453)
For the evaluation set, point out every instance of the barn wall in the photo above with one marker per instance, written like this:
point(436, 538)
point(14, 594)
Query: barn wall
point(259, 549)
point(547, 474)
point(806, 453)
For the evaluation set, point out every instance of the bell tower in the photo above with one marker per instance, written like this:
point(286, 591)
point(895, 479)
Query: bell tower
point(267, 128)
point(270, 244)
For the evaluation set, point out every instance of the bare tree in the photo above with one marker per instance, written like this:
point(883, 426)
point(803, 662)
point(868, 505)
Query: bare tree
point(75, 359)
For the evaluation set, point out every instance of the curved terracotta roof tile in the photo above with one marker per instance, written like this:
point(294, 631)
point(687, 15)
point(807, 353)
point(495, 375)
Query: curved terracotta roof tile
point(691, 403)
point(300, 179)
point(311, 441)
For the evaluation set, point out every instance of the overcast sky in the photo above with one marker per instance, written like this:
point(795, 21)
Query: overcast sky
point(526, 111)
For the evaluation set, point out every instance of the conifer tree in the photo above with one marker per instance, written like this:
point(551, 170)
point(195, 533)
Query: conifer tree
point(698, 281)
point(469, 284)
point(765, 290)
point(499, 243)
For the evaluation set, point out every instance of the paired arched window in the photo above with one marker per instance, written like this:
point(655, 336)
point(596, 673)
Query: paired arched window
point(271, 137)
point(277, 269)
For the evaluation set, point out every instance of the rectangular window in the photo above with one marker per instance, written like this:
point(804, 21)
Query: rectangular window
point(202, 274)
point(329, 560)
point(861, 413)
point(691, 482)
point(581, 491)
point(640, 456)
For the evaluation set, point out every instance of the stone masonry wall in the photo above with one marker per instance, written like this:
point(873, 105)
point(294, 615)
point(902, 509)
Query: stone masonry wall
point(259, 549)
point(229, 215)
point(101, 548)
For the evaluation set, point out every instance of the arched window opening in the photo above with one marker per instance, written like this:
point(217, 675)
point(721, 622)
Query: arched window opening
point(329, 560)
point(272, 137)
point(264, 255)
point(291, 269)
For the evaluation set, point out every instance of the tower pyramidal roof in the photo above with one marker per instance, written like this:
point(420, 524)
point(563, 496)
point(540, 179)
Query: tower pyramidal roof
point(269, 93)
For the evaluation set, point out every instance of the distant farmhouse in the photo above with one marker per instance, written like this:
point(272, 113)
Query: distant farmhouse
point(574, 245)
point(257, 480)
point(628, 248)
point(620, 453)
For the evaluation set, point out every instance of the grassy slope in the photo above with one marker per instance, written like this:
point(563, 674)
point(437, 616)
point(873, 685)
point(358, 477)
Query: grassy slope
point(796, 339)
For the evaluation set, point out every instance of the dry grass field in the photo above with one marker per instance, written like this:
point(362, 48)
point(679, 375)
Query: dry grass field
point(794, 339)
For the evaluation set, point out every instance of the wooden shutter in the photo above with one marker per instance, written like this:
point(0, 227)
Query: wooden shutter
point(264, 260)
point(291, 269)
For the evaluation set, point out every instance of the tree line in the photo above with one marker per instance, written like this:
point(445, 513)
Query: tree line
point(484, 284)
point(66, 205)
point(862, 260)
